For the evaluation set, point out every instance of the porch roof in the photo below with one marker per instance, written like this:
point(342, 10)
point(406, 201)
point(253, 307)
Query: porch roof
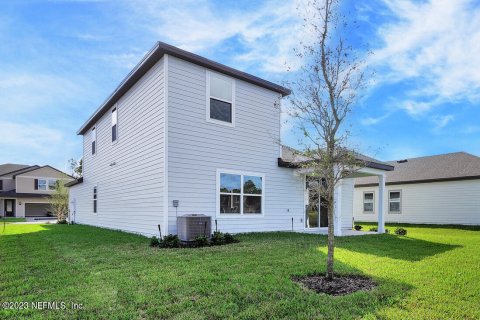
point(13, 194)
point(291, 158)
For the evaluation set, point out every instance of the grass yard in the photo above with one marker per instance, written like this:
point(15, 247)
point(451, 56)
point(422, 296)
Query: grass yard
point(10, 219)
point(433, 273)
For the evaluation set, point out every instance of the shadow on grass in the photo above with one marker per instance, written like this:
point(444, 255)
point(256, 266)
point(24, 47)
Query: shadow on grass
point(251, 279)
point(395, 247)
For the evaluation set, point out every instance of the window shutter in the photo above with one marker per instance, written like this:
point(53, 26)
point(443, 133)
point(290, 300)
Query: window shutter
point(36, 184)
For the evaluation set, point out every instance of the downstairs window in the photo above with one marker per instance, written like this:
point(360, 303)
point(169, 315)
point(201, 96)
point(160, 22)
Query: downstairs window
point(240, 194)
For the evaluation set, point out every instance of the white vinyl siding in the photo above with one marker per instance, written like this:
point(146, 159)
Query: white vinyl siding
point(196, 149)
point(129, 174)
point(452, 202)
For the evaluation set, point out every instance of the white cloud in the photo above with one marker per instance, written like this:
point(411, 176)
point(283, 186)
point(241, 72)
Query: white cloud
point(415, 108)
point(436, 44)
point(441, 121)
point(370, 121)
point(267, 34)
point(22, 92)
point(41, 144)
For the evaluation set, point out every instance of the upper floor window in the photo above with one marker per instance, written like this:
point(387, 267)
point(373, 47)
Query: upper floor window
point(94, 140)
point(240, 194)
point(1, 184)
point(368, 202)
point(45, 184)
point(221, 99)
point(114, 124)
point(394, 201)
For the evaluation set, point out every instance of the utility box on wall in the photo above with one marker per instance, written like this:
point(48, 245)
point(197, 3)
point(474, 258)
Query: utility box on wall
point(191, 226)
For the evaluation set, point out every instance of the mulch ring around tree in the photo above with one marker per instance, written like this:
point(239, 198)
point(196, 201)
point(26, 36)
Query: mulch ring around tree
point(340, 285)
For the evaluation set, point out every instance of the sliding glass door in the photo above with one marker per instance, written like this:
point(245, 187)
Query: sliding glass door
point(316, 212)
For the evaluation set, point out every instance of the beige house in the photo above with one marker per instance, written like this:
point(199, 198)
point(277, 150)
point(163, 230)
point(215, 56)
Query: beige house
point(25, 190)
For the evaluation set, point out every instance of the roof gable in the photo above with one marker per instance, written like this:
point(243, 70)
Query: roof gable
point(10, 168)
point(44, 172)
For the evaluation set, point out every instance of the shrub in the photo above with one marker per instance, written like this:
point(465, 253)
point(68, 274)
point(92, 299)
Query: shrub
point(229, 238)
point(170, 241)
point(201, 241)
point(154, 242)
point(401, 231)
point(374, 229)
point(218, 238)
point(358, 227)
point(387, 231)
point(63, 221)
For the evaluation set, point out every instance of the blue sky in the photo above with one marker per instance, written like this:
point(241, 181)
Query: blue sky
point(60, 59)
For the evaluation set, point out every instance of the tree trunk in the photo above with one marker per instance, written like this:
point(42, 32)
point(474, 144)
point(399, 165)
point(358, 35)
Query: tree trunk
point(331, 240)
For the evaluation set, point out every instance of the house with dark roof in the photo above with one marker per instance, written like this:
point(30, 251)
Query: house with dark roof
point(25, 190)
point(439, 189)
point(182, 134)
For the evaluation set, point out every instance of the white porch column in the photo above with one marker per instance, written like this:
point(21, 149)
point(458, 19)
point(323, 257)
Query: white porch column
point(337, 214)
point(380, 206)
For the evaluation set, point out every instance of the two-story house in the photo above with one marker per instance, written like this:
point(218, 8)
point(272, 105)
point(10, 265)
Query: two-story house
point(25, 190)
point(182, 127)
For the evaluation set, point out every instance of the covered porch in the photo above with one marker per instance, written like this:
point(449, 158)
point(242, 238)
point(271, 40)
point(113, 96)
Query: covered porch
point(316, 214)
point(316, 220)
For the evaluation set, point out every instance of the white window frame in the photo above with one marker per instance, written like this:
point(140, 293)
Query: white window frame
point(114, 121)
point(93, 138)
point(47, 183)
point(373, 202)
point(208, 96)
point(399, 201)
point(240, 215)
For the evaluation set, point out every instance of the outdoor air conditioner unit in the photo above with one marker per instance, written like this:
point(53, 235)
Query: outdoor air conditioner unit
point(191, 226)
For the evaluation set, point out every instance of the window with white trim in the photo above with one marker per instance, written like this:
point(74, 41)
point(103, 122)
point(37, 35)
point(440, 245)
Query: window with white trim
point(114, 124)
point(395, 201)
point(221, 99)
point(368, 201)
point(94, 140)
point(45, 184)
point(241, 194)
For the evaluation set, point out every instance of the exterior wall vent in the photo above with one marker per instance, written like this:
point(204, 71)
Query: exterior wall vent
point(191, 226)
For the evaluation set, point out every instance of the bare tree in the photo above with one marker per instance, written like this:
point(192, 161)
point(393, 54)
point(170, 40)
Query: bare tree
point(326, 88)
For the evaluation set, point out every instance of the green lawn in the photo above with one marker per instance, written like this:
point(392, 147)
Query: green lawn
point(434, 273)
point(9, 219)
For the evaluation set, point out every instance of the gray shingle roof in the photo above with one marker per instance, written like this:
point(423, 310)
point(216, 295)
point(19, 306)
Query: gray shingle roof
point(10, 167)
point(292, 158)
point(450, 166)
point(13, 194)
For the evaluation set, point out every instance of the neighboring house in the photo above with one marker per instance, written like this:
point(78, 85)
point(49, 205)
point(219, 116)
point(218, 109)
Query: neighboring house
point(25, 190)
point(182, 127)
point(441, 189)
